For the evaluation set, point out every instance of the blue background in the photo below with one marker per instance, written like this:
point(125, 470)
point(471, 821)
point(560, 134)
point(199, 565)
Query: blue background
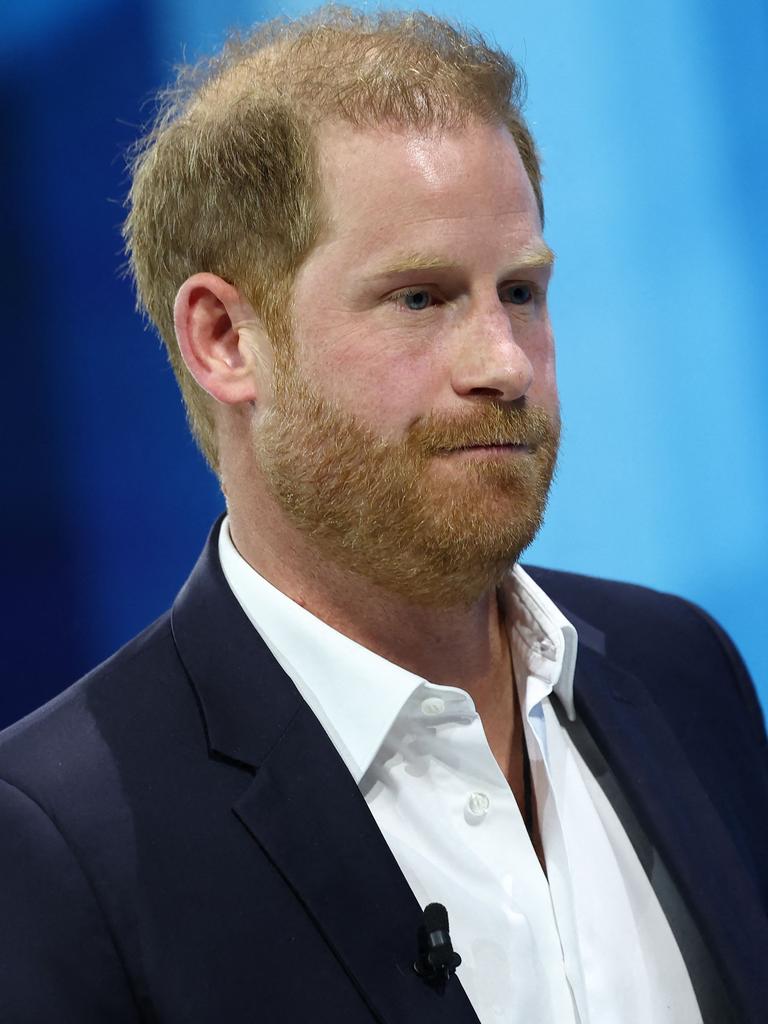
point(652, 127)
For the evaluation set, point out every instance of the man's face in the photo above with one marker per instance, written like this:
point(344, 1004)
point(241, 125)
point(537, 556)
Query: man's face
point(413, 432)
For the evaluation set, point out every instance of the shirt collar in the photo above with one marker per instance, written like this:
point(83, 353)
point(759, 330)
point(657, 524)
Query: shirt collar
point(355, 693)
point(541, 628)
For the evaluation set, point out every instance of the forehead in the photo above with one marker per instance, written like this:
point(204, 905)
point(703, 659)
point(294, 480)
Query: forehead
point(415, 189)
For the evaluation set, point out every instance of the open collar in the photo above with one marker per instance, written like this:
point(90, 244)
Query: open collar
point(356, 694)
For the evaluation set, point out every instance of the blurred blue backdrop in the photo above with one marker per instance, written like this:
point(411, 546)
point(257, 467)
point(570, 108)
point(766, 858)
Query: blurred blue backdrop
point(655, 145)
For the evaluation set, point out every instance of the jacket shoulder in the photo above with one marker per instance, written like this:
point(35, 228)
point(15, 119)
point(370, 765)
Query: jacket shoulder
point(64, 741)
point(605, 602)
point(658, 637)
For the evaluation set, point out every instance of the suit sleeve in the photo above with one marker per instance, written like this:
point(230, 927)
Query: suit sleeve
point(58, 962)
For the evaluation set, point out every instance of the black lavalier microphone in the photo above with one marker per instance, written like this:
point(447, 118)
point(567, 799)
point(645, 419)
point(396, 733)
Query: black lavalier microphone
point(436, 961)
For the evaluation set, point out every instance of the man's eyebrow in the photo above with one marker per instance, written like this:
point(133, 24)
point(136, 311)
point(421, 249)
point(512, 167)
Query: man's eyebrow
point(532, 257)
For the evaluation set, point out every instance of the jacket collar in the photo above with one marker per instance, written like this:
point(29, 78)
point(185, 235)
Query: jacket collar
point(246, 699)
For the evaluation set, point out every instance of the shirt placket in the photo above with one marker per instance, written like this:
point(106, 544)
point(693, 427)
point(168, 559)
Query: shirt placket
point(545, 754)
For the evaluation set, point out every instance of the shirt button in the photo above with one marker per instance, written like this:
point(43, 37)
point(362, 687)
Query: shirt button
point(433, 706)
point(477, 807)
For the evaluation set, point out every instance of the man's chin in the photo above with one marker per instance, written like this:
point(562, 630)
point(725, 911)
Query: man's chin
point(489, 504)
point(450, 561)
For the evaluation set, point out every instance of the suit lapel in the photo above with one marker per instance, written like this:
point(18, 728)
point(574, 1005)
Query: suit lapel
point(306, 812)
point(680, 820)
point(303, 807)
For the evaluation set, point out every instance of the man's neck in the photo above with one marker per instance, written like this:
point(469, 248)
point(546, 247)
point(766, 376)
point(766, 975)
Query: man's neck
point(455, 646)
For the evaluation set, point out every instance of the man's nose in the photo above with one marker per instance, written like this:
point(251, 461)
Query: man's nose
point(490, 359)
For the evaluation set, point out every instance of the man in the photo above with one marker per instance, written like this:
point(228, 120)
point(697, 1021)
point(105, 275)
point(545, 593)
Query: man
point(360, 704)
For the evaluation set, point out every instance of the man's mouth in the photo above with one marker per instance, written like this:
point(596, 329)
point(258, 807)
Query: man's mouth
point(501, 448)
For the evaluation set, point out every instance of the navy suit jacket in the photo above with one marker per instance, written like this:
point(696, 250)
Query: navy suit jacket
point(180, 841)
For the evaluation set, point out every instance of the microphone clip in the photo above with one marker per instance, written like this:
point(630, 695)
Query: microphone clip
point(437, 961)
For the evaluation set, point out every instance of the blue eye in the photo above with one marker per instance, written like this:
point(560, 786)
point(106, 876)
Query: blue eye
point(416, 300)
point(518, 294)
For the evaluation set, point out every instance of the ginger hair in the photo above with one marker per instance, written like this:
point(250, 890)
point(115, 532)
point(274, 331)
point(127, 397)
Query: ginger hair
point(226, 179)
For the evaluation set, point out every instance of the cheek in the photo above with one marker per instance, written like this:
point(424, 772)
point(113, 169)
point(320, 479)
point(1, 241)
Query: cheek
point(544, 388)
point(374, 374)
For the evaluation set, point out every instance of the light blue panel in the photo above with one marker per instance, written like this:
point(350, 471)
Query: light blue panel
point(186, 30)
point(654, 145)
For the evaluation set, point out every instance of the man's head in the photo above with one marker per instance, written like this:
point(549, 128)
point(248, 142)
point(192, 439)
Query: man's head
point(360, 285)
point(227, 179)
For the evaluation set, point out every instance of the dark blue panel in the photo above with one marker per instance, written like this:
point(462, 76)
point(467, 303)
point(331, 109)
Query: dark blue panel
point(105, 499)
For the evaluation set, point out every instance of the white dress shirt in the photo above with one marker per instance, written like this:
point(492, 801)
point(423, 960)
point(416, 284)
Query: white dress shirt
point(588, 942)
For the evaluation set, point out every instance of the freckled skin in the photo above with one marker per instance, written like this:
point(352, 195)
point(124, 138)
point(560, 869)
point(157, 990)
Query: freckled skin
point(463, 196)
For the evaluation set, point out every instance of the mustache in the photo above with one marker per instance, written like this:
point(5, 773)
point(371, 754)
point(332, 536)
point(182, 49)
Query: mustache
point(528, 426)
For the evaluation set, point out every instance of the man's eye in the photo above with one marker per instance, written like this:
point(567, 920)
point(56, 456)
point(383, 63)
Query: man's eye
point(414, 299)
point(517, 294)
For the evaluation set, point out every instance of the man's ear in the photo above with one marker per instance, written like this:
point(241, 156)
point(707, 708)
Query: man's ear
point(221, 340)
